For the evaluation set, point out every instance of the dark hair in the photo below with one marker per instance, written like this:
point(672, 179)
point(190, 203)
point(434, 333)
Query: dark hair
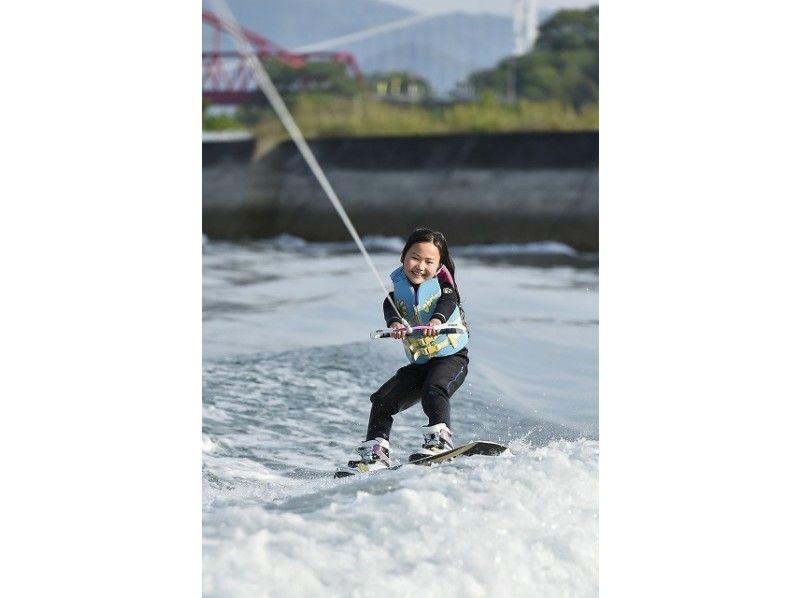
point(426, 235)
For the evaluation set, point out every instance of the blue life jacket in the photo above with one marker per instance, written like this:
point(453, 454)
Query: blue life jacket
point(417, 306)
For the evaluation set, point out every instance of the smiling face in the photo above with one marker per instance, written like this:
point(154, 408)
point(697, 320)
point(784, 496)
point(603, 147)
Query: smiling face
point(421, 262)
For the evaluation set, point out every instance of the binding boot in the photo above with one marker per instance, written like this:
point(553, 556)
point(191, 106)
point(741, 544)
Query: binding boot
point(374, 455)
point(436, 439)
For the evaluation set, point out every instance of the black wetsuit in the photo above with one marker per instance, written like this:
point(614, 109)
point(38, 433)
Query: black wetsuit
point(433, 382)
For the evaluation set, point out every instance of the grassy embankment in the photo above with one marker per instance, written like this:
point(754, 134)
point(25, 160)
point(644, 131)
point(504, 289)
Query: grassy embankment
point(325, 115)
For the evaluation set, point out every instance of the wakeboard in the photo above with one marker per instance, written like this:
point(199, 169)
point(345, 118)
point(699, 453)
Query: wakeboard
point(476, 447)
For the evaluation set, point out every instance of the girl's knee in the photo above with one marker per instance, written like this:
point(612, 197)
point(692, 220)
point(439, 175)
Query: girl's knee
point(434, 392)
point(378, 399)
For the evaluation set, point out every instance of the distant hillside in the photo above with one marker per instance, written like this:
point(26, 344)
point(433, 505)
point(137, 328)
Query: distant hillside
point(444, 50)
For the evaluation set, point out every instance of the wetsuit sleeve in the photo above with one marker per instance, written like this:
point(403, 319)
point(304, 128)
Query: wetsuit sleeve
point(388, 311)
point(447, 303)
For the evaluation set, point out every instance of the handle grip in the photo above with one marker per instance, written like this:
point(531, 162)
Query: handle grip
point(420, 330)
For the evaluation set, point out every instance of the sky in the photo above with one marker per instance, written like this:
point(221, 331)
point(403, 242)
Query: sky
point(500, 7)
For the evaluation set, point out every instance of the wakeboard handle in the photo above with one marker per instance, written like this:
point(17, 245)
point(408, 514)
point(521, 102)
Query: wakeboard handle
point(420, 330)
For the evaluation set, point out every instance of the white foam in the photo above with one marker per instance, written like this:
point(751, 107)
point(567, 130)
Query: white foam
point(378, 243)
point(495, 249)
point(475, 527)
point(288, 242)
point(209, 445)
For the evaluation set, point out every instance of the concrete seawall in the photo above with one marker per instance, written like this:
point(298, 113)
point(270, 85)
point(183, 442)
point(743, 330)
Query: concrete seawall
point(518, 187)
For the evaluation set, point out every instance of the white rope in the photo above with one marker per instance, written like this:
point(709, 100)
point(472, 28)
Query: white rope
point(265, 83)
point(367, 33)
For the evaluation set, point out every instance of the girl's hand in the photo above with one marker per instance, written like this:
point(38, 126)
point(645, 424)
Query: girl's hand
point(430, 331)
point(398, 330)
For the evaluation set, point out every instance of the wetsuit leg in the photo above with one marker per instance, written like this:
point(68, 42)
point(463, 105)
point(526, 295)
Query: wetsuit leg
point(445, 376)
point(399, 393)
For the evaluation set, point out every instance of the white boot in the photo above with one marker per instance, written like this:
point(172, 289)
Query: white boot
point(374, 455)
point(437, 439)
point(375, 452)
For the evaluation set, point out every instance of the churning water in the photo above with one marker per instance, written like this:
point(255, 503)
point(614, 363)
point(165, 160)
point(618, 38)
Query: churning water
point(288, 370)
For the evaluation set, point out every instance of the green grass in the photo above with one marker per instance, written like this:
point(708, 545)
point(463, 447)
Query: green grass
point(221, 123)
point(322, 116)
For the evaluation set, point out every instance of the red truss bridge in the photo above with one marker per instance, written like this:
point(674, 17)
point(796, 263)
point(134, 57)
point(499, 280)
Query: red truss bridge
point(228, 80)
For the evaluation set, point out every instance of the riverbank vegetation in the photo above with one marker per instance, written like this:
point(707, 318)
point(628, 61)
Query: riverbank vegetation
point(552, 88)
point(564, 65)
point(324, 115)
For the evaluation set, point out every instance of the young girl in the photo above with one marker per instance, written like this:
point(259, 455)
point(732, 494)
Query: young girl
point(425, 293)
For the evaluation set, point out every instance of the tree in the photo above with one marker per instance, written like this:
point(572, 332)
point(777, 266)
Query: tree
point(563, 65)
point(331, 77)
point(570, 30)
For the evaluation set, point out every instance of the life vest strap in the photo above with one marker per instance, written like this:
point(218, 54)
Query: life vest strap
point(428, 347)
